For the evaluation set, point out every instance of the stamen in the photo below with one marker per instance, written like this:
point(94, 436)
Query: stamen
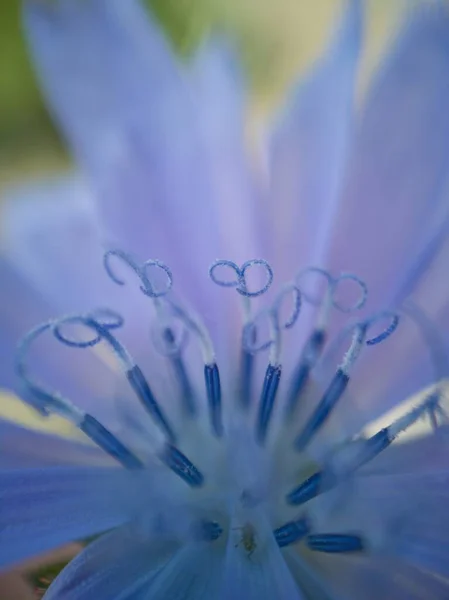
point(267, 400)
point(47, 402)
point(316, 341)
point(274, 369)
point(341, 378)
point(310, 355)
point(335, 543)
point(143, 391)
point(169, 345)
point(365, 451)
point(213, 389)
point(240, 284)
point(308, 489)
point(291, 532)
point(178, 462)
point(247, 360)
point(323, 410)
point(108, 442)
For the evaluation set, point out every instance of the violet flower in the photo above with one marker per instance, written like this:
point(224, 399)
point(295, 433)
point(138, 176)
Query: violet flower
point(231, 443)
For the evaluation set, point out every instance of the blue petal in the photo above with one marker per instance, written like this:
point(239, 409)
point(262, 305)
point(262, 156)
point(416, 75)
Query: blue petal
point(124, 566)
point(82, 376)
point(309, 151)
point(45, 508)
point(129, 115)
point(257, 573)
point(393, 201)
point(370, 578)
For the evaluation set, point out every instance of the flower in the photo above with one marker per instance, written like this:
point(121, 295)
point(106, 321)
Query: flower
point(217, 471)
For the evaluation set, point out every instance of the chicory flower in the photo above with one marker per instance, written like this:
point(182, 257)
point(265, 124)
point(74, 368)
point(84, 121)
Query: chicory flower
point(249, 442)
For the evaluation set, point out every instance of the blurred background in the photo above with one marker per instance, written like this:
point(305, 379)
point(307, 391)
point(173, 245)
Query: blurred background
point(276, 41)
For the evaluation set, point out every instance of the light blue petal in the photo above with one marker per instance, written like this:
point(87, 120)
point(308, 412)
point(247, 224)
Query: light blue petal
point(124, 566)
point(45, 508)
point(309, 151)
point(50, 234)
point(353, 578)
point(130, 116)
point(393, 201)
point(78, 374)
point(401, 516)
point(260, 573)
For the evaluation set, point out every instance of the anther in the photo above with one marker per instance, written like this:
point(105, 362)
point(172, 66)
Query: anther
point(324, 409)
point(308, 489)
point(213, 390)
point(335, 543)
point(267, 400)
point(178, 462)
point(292, 532)
point(108, 442)
point(300, 378)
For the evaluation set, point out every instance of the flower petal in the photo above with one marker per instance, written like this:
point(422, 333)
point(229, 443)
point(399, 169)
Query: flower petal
point(257, 573)
point(45, 508)
point(50, 233)
point(80, 375)
point(394, 192)
point(125, 566)
point(309, 151)
point(400, 516)
point(129, 115)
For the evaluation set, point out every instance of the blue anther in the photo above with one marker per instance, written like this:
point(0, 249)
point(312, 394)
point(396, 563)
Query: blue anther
point(291, 532)
point(209, 531)
point(307, 490)
point(335, 543)
point(213, 389)
point(324, 409)
point(267, 400)
point(310, 355)
point(178, 462)
point(185, 386)
point(146, 396)
point(372, 447)
point(246, 373)
point(240, 282)
point(109, 443)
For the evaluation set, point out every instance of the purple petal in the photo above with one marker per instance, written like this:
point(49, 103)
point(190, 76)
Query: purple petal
point(129, 114)
point(45, 508)
point(309, 151)
point(392, 202)
point(125, 566)
point(263, 574)
point(50, 233)
point(80, 375)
